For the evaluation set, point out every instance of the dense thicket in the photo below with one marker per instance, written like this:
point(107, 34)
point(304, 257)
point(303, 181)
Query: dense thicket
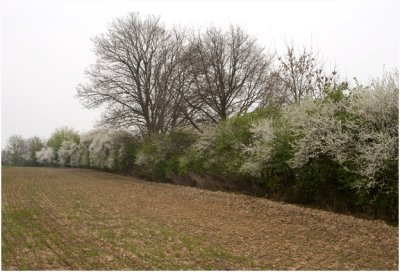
point(212, 109)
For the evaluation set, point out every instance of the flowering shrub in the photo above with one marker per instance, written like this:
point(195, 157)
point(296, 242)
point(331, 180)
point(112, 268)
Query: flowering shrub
point(109, 149)
point(266, 157)
point(359, 133)
point(67, 154)
point(46, 156)
point(104, 149)
point(82, 157)
point(259, 152)
point(376, 111)
point(341, 149)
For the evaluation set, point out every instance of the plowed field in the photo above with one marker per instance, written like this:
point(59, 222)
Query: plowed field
point(85, 219)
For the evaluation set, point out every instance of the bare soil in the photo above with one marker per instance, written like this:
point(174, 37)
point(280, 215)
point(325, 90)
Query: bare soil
point(74, 219)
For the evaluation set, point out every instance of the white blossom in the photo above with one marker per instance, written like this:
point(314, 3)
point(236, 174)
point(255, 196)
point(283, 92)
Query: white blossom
point(67, 154)
point(46, 155)
point(259, 152)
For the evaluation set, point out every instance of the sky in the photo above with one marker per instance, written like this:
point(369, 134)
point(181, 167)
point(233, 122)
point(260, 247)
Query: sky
point(46, 46)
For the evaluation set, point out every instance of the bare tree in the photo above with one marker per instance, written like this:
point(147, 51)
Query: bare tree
point(300, 74)
point(229, 72)
point(15, 151)
point(277, 95)
point(135, 75)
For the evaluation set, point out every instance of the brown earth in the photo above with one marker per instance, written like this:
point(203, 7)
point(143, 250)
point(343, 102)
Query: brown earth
point(85, 219)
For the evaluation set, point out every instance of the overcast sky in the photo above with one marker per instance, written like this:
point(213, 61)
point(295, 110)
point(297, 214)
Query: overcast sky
point(45, 46)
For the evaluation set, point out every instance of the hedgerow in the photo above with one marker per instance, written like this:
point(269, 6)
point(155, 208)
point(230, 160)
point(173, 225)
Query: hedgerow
point(339, 151)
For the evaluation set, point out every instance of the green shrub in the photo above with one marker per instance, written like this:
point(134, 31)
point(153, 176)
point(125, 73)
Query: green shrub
point(60, 135)
point(158, 155)
point(217, 152)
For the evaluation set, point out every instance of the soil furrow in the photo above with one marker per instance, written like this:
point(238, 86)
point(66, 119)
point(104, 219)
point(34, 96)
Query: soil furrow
point(87, 219)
